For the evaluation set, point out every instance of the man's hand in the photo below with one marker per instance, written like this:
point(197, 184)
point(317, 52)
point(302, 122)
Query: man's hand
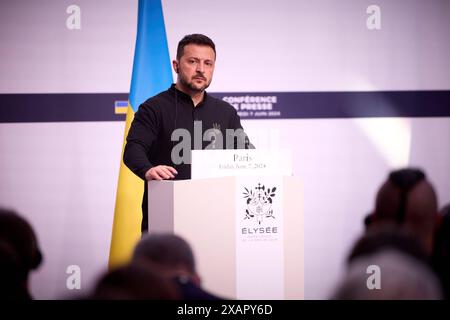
point(160, 173)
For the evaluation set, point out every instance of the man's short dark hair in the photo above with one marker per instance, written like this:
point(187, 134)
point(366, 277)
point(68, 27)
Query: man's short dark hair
point(18, 234)
point(195, 38)
point(168, 250)
point(134, 282)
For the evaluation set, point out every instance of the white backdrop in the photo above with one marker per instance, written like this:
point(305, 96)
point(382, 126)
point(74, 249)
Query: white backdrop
point(63, 176)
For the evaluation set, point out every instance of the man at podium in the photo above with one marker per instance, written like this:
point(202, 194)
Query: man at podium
point(169, 125)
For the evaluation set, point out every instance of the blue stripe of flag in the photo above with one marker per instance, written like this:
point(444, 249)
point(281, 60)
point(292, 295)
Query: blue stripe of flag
point(151, 68)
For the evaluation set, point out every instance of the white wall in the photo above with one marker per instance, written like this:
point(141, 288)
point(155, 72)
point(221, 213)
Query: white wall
point(63, 176)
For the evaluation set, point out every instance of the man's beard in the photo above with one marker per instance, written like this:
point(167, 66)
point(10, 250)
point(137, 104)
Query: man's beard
point(191, 86)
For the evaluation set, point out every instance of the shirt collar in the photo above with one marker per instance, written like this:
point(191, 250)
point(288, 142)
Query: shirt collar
point(187, 97)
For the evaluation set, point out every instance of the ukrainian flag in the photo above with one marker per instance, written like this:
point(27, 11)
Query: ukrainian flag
point(151, 75)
